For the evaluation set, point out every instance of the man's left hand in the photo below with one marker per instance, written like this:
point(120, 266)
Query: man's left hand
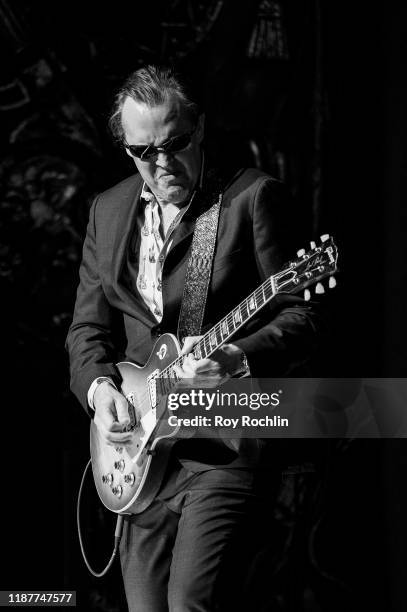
point(222, 365)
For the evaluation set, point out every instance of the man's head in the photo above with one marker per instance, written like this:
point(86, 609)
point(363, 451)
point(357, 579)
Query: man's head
point(159, 124)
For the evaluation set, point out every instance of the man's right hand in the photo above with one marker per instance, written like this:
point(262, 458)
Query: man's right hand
point(111, 415)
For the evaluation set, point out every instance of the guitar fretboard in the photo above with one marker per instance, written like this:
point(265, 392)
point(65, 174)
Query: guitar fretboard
point(220, 333)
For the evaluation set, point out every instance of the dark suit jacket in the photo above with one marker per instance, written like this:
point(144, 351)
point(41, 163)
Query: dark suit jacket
point(256, 236)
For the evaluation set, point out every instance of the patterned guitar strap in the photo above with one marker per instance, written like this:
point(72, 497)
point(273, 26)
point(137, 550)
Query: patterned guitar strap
point(199, 268)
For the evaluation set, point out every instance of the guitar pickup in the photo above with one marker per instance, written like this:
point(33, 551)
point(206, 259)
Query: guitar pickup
point(152, 388)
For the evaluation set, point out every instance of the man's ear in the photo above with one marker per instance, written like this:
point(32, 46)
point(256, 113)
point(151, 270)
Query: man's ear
point(200, 129)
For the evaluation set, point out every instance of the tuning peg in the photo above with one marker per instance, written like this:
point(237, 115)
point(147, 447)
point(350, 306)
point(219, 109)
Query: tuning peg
point(319, 288)
point(301, 252)
point(307, 295)
point(313, 245)
point(332, 282)
point(324, 237)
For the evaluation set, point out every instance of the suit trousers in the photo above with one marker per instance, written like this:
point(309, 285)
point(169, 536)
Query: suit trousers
point(195, 548)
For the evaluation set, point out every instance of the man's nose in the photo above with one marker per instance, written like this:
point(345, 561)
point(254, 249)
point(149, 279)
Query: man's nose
point(163, 159)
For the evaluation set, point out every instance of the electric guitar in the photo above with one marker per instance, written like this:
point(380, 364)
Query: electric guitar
point(127, 478)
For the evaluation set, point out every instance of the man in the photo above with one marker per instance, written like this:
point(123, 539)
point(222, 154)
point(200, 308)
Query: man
point(186, 551)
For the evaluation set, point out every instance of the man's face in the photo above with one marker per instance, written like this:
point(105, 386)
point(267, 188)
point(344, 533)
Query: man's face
point(171, 177)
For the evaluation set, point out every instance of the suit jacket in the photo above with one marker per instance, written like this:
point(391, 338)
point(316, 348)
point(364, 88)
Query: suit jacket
point(256, 236)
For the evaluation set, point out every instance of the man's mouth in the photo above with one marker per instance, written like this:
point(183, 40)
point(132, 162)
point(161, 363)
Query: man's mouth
point(169, 173)
point(169, 176)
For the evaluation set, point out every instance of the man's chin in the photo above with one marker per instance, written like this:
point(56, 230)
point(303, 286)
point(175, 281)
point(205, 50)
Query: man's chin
point(174, 194)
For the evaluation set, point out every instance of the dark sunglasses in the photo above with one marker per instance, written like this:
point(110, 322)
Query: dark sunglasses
point(172, 145)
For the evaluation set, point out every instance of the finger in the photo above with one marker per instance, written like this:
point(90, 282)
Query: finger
point(189, 364)
point(118, 439)
point(206, 367)
point(122, 409)
point(181, 373)
point(207, 382)
point(189, 343)
point(105, 417)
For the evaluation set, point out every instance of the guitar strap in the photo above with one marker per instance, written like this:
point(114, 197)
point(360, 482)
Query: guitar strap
point(199, 270)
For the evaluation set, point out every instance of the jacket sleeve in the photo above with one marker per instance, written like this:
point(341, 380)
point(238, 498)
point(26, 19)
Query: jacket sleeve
point(291, 336)
point(89, 341)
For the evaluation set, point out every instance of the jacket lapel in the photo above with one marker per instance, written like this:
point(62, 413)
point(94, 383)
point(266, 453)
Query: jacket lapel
point(183, 230)
point(126, 225)
point(132, 303)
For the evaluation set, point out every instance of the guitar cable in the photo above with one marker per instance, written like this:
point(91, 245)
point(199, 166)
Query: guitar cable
point(117, 533)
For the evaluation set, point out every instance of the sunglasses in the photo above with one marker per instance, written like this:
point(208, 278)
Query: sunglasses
point(172, 145)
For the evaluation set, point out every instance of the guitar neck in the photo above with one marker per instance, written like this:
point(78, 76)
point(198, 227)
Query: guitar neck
point(307, 270)
point(220, 333)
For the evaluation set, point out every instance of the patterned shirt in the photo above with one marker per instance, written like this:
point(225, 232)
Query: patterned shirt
point(152, 252)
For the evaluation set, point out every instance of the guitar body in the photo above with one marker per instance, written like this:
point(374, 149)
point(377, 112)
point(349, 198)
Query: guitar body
point(127, 478)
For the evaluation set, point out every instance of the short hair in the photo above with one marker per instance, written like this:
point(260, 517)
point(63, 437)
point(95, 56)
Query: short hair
point(152, 86)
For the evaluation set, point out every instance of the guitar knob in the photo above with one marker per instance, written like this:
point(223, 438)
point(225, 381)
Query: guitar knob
point(117, 491)
point(130, 478)
point(332, 282)
point(324, 237)
point(107, 479)
point(119, 465)
point(119, 449)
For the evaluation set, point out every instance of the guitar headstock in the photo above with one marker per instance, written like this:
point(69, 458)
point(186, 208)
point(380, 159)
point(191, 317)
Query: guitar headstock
point(310, 269)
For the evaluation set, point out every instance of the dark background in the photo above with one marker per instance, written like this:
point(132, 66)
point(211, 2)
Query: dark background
point(314, 93)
